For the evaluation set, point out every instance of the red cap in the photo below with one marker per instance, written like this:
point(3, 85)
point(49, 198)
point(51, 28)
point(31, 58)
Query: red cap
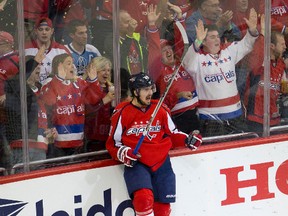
point(43, 21)
point(6, 37)
point(164, 42)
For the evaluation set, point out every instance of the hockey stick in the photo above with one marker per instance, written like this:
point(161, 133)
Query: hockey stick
point(159, 104)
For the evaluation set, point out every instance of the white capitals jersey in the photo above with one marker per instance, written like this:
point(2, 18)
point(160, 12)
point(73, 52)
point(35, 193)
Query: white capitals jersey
point(215, 78)
point(31, 49)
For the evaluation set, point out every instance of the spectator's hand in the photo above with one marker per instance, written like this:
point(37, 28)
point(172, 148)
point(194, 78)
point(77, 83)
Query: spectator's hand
point(61, 71)
point(194, 140)
point(152, 15)
point(34, 77)
point(225, 19)
point(201, 32)
point(2, 5)
point(176, 9)
point(131, 27)
point(252, 22)
point(51, 134)
point(40, 54)
point(2, 99)
point(92, 72)
point(108, 97)
point(262, 24)
point(185, 94)
point(126, 156)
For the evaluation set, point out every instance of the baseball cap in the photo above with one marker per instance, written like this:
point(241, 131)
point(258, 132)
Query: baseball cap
point(164, 42)
point(6, 37)
point(43, 21)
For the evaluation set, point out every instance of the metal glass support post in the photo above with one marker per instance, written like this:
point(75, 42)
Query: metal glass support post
point(266, 120)
point(116, 51)
point(22, 75)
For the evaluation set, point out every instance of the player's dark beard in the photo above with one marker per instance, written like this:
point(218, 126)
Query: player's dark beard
point(140, 101)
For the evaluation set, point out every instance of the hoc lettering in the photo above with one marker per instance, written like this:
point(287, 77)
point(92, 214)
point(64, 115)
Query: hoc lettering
point(261, 182)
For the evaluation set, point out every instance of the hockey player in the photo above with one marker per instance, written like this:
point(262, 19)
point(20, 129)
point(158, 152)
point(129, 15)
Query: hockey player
point(149, 177)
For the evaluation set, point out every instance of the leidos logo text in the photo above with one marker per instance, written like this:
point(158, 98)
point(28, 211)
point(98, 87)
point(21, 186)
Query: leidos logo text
point(106, 209)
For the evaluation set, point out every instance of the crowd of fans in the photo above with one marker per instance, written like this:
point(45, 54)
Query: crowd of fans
point(69, 49)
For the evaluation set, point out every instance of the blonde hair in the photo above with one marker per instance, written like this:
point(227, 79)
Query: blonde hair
point(99, 63)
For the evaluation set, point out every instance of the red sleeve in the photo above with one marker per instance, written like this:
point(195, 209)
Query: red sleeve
point(154, 54)
point(256, 57)
point(2, 83)
point(178, 41)
point(276, 25)
point(63, 5)
point(48, 91)
point(93, 93)
point(170, 99)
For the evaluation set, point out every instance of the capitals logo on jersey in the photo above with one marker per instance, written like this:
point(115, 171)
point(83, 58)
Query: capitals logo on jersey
point(139, 128)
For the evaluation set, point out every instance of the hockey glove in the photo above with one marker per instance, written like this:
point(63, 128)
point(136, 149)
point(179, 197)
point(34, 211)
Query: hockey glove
point(126, 156)
point(194, 140)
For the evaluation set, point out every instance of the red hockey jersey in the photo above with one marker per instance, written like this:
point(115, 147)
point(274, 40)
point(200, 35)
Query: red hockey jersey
point(127, 125)
point(182, 82)
point(254, 96)
point(68, 101)
point(9, 67)
point(97, 119)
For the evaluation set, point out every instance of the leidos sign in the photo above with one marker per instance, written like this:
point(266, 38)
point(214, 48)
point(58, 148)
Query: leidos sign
point(13, 207)
point(261, 182)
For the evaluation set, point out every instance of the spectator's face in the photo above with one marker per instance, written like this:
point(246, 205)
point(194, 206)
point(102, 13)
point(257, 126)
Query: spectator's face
point(44, 34)
point(168, 55)
point(211, 9)
point(80, 36)
point(242, 5)
point(127, 24)
point(69, 68)
point(104, 75)
point(286, 63)
point(279, 47)
point(5, 47)
point(212, 42)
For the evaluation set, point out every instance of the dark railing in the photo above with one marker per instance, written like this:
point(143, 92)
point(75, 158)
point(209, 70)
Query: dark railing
point(61, 160)
point(229, 137)
point(278, 129)
point(3, 171)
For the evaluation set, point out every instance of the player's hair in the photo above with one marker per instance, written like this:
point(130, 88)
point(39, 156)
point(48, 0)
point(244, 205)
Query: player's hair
point(56, 61)
point(73, 24)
